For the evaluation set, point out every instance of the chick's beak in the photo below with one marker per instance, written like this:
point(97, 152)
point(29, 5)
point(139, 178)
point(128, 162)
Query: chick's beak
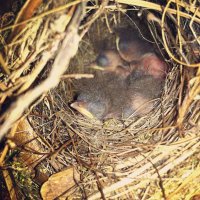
point(80, 107)
point(96, 67)
point(117, 43)
point(106, 69)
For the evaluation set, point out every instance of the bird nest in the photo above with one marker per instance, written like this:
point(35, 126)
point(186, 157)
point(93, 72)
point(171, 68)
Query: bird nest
point(135, 158)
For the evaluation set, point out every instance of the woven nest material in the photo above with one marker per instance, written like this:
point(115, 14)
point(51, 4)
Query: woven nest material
point(136, 158)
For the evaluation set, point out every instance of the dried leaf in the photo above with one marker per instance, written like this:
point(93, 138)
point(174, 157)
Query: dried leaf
point(59, 183)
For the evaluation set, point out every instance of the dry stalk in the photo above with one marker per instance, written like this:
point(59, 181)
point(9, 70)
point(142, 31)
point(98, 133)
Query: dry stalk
point(69, 48)
point(156, 7)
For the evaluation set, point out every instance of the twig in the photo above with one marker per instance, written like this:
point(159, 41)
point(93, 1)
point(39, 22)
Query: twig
point(69, 47)
point(77, 76)
point(154, 6)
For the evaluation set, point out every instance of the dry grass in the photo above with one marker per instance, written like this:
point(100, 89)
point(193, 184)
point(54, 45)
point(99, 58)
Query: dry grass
point(145, 158)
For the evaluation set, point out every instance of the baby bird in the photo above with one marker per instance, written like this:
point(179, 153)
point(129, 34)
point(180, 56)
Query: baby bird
point(131, 79)
point(91, 105)
point(141, 93)
point(109, 61)
point(109, 96)
point(140, 54)
point(150, 64)
point(97, 98)
point(131, 46)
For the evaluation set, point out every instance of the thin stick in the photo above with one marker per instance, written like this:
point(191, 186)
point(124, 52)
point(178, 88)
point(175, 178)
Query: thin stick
point(77, 76)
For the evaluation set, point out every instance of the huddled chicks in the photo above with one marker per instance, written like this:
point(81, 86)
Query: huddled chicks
point(130, 77)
